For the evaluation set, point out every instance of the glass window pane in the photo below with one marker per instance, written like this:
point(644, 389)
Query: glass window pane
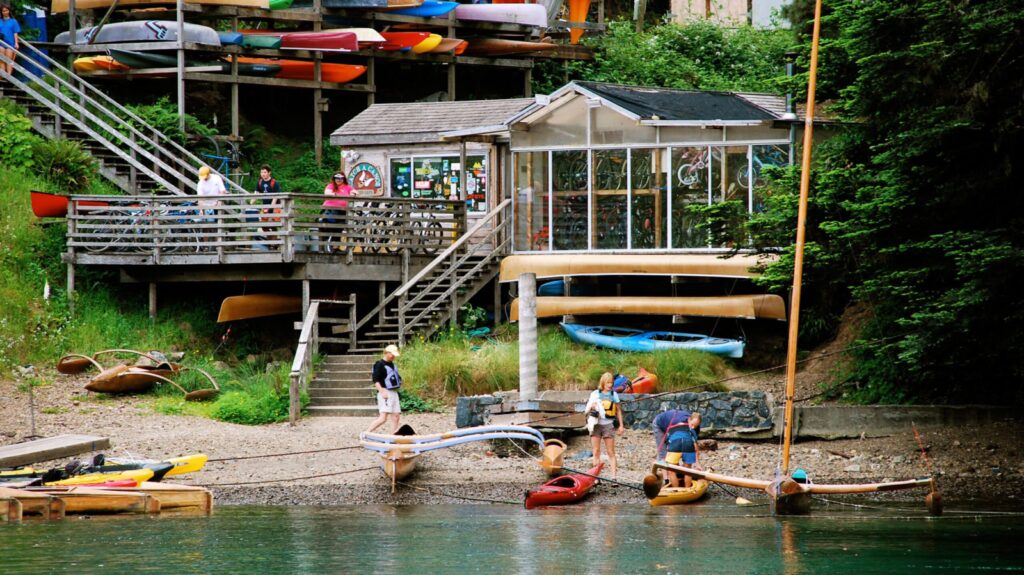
point(689, 187)
point(531, 201)
point(401, 178)
point(570, 199)
point(609, 199)
point(476, 183)
point(428, 177)
point(734, 174)
point(777, 155)
point(650, 199)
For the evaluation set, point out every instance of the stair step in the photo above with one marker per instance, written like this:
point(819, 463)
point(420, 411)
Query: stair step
point(343, 410)
point(362, 392)
point(361, 376)
point(348, 401)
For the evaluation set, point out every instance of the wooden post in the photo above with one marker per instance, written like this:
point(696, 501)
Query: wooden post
point(318, 127)
point(234, 86)
point(453, 319)
point(352, 320)
point(528, 83)
point(305, 298)
point(371, 80)
point(70, 258)
point(657, 198)
point(463, 171)
point(639, 14)
point(152, 300)
point(72, 28)
point(181, 64)
point(71, 288)
point(527, 336)
point(497, 302)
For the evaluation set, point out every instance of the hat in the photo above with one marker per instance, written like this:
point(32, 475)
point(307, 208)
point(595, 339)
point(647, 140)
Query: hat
point(204, 172)
point(339, 176)
point(392, 349)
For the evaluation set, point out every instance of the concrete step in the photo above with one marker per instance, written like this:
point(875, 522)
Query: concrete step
point(319, 383)
point(349, 359)
point(343, 410)
point(349, 401)
point(360, 392)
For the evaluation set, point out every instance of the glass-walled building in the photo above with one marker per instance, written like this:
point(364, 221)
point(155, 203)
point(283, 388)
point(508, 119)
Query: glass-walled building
point(607, 167)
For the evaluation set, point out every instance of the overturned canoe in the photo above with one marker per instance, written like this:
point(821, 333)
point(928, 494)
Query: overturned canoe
point(626, 339)
point(46, 205)
point(141, 31)
point(58, 6)
point(503, 47)
point(257, 305)
point(737, 306)
point(563, 490)
point(696, 265)
point(523, 14)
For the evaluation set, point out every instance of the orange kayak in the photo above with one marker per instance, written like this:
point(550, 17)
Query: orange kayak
point(577, 13)
point(303, 70)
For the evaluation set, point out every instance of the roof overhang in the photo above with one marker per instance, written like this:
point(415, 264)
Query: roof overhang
point(703, 123)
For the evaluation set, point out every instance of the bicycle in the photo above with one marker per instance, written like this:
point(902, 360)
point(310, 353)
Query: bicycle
point(428, 228)
point(693, 167)
point(775, 156)
point(227, 161)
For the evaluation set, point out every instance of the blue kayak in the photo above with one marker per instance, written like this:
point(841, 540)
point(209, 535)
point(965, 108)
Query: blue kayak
point(230, 38)
point(428, 9)
point(557, 288)
point(626, 339)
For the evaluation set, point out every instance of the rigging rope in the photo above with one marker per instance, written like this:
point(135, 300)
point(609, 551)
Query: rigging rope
point(241, 457)
point(284, 480)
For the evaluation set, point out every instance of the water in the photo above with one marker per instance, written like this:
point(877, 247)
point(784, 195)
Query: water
point(421, 540)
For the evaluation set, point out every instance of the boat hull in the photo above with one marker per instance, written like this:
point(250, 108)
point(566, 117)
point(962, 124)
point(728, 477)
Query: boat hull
point(523, 14)
point(680, 495)
point(127, 379)
point(551, 457)
point(257, 305)
point(760, 306)
point(303, 70)
point(429, 9)
point(696, 265)
point(563, 490)
point(142, 31)
point(46, 205)
point(502, 47)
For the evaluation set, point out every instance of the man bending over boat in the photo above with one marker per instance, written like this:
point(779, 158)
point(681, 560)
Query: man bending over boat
point(660, 425)
point(682, 448)
point(387, 381)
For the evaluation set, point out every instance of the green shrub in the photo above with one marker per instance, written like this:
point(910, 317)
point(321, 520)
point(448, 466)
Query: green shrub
point(16, 137)
point(64, 163)
point(412, 403)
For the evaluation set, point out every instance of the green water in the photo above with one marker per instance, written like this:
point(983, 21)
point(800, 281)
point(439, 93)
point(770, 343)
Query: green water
point(420, 540)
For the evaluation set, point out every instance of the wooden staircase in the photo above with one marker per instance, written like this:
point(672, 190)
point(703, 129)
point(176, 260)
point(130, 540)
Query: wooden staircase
point(342, 387)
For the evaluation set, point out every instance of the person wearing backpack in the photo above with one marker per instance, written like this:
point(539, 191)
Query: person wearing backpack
point(387, 381)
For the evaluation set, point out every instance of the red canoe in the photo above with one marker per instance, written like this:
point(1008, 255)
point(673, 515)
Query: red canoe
point(45, 205)
point(333, 40)
point(401, 40)
point(303, 70)
point(563, 490)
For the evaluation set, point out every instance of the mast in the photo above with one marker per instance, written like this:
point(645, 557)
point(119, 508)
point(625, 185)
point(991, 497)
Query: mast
point(801, 224)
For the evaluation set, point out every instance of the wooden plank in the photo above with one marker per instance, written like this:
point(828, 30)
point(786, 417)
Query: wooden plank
point(50, 448)
point(43, 504)
point(260, 81)
point(10, 509)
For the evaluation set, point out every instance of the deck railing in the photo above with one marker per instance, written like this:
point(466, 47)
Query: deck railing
point(302, 365)
point(174, 229)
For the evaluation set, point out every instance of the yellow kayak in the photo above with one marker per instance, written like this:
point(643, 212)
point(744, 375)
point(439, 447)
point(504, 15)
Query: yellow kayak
point(432, 41)
point(182, 465)
point(138, 475)
point(680, 495)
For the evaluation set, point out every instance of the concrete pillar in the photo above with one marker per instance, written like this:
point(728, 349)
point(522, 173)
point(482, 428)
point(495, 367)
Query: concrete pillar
point(527, 336)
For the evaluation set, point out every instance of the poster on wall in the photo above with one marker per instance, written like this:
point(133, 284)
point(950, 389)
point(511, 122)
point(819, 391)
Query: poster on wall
point(440, 178)
point(366, 180)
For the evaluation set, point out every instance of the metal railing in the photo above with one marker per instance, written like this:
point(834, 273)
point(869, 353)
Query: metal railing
point(141, 138)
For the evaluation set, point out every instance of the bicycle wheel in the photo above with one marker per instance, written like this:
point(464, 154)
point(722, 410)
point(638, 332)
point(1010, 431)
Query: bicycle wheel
point(432, 236)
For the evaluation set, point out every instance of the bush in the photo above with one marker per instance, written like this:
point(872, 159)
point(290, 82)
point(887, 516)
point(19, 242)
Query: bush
point(254, 406)
point(64, 163)
point(16, 137)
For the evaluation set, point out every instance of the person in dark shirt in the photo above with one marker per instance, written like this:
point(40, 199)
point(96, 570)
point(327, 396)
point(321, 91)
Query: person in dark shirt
point(267, 184)
point(660, 426)
point(387, 381)
point(682, 448)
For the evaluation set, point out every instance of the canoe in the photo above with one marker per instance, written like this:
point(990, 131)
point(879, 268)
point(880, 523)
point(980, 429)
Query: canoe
point(303, 70)
point(230, 38)
point(142, 31)
point(523, 14)
point(697, 265)
point(645, 382)
point(428, 45)
point(679, 495)
point(46, 205)
point(578, 14)
point(130, 378)
point(58, 6)
point(551, 456)
point(327, 41)
point(626, 339)
point(737, 306)
point(135, 475)
point(172, 496)
point(143, 60)
point(453, 45)
point(502, 47)
point(563, 490)
point(394, 41)
point(429, 9)
point(257, 305)
point(398, 464)
point(268, 41)
point(367, 37)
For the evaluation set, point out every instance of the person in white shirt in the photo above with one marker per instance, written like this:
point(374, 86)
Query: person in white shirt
point(209, 184)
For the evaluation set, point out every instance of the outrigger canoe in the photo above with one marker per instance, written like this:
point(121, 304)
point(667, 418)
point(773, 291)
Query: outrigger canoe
point(763, 306)
point(396, 464)
point(563, 490)
point(257, 305)
point(626, 339)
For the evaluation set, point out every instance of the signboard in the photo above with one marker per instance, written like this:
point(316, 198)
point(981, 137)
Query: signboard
point(365, 178)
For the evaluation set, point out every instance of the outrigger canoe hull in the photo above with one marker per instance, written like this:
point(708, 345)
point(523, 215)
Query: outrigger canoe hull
point(680, 495)
point(763, 306)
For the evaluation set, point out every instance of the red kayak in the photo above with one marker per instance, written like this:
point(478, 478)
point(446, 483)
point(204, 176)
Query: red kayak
point(563, 490)
point(335, 41)
point(394, 41)
point(45, 205)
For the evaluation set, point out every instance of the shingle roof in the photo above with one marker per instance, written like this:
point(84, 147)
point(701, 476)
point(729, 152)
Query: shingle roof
point(671, 105)
point(423, 121)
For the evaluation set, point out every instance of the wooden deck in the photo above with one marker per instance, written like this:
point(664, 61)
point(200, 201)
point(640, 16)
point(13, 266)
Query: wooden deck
point(50, 448)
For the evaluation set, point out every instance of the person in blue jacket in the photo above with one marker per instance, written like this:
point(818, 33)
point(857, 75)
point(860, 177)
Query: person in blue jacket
point(660, 426)
point(9, 31)
point(682, 448)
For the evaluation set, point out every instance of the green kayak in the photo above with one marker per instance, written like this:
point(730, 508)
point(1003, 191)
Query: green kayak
point(260, 41)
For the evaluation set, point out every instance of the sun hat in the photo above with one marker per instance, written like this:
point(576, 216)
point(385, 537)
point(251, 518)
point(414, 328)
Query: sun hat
point(204, 172)
point(339, 176)
point(392, 349)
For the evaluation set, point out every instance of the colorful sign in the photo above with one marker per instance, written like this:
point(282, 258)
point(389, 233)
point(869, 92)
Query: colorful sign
point(365, 178)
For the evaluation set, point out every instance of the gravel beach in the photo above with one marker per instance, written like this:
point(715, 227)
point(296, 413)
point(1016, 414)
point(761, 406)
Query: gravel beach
point(974, 463)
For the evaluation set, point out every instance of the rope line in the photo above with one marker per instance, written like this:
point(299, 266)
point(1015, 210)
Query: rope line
point(284, 480)
point(241, 457)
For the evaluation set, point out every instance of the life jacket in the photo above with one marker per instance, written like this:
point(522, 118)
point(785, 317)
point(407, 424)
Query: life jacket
point(265, 187)
point(610, 408)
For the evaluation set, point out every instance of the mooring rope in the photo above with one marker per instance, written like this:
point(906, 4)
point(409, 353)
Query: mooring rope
point(241, 457)
point(284, 480)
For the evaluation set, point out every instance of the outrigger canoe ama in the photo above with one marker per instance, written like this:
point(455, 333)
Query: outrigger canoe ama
point(626, 339)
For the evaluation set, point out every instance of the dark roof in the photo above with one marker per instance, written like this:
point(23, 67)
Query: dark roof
point(682, 105)
point(413, 122)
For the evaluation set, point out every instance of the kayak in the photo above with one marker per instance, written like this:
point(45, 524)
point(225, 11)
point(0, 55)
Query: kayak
point(563, 490)
point(159, 470)
point(142, 31)
point(679, 495)
point(395, 41)
point(428, 45)
point(179, 465)
point(96, 63)
point(428, 9)
point(646, 382)
point(626, 339)
point(502, 47)
point(453, 45)
point(46, 205)
point(137, 475)
point(144, 60)
point(556, 288)
point(523, 14)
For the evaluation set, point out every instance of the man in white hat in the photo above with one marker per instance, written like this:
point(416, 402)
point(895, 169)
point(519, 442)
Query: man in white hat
point(209, 184)
point(387, 381)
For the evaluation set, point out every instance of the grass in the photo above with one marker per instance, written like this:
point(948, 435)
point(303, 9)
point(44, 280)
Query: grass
point(455, 365)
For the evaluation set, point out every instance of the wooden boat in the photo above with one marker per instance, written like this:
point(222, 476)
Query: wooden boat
point(680, 495)
point(626, 339)
point(395, 41)
point(577, 14)
point(141, 31)
point(551, 457)
point(133, 476)
point(46, 205)
point(74, 363)
point(130, 378)
point(172, 496)
point(765, 306)
point(697, 265)
point(43, 504)
point(522, 14)
point(427, 45)
point(300, 70)
point(59, 6)
point(398, 464)
point(645, 382)
point(429, 9)
point(257, 305)
point(90, 500)
point(453, 45)
point(563, 490)
point(503, 47)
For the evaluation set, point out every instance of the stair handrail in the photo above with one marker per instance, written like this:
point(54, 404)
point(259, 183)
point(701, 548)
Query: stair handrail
point(164, 140)
point(308, 346)
point(55, 91)
point(457, 244)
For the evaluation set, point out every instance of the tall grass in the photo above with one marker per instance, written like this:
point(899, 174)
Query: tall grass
point(455, 365)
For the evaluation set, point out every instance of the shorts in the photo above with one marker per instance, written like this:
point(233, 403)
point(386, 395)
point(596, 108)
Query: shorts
point(390, 404)
point(680, 445)
point(688, 457)
point(603, 430)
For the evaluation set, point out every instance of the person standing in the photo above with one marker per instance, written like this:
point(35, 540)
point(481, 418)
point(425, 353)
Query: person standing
point(9, 31)
point(209, 185)
point(604, 402)
point(334, 209)
point(267, 184)
point(387, 381)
